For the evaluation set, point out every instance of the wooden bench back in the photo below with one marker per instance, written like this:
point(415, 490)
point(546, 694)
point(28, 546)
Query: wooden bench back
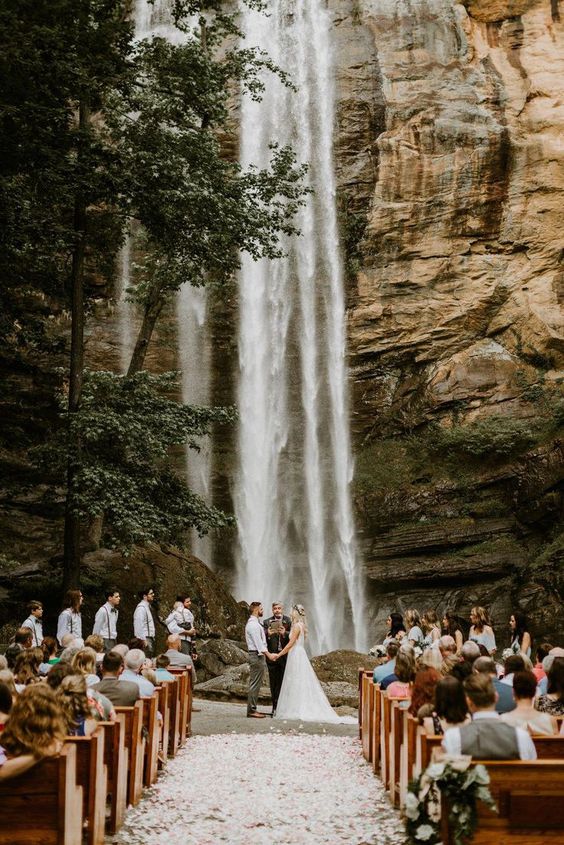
point(91, 775)
point(529, 801)
point(184, 678)
point(116, 757)
point(164, 710)
point(174, 718)
point(50, 792)
point(135, 743)
point(150, 710)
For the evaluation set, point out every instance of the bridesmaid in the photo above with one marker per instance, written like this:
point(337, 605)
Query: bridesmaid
point(451, 628)
point(520, 636)
point(481, 631)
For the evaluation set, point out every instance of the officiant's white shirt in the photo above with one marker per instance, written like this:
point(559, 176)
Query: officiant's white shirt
point(255, 636)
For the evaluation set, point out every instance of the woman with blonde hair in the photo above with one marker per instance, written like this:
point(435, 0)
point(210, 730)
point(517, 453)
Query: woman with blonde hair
point(73, 700)
point(36, 729)
point(301, 694)
point(431, 628)
point(84, 663)
point(414, 634)
point(481, 631)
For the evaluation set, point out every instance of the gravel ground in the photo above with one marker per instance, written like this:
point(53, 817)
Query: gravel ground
point(252, 782)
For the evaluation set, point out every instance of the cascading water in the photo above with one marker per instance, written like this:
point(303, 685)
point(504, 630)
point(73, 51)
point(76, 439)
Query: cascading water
point(293, 502)
point(154, 19)
point(124, 308)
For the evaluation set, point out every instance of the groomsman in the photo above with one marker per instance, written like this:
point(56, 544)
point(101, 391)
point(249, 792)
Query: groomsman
point(34, 623)
point(105, 621)
point(181, 621)
point(143, 622)
point(277, 628)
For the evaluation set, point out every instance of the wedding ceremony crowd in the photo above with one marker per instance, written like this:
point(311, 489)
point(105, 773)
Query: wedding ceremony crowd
point(52, 687)
point(484, 703)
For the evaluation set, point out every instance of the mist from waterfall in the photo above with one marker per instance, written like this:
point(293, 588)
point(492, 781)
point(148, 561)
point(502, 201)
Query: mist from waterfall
point(154, 19)
point(292, 497)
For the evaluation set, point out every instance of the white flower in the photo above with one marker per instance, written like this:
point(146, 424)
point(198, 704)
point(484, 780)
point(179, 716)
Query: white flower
point(411, 806)
point(424, 832)
point(481, 775)
point(458, 762)
point(435, 770)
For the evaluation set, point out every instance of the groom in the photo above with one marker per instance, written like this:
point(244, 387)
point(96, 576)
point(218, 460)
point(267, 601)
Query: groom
point(258, 650)
point(277, 628)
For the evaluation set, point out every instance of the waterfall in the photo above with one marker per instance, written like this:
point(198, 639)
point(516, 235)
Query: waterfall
point(125, 309)
point(154, 19)
point(292, 497)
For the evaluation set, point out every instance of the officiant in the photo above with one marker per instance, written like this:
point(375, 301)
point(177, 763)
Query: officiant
point(277, 630)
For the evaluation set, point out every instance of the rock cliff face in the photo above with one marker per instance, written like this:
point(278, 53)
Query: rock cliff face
point(451, 170)
point(450, 164)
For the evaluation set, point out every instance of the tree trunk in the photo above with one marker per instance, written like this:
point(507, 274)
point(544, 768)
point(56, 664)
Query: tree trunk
point(153, 308)
point(71, 561)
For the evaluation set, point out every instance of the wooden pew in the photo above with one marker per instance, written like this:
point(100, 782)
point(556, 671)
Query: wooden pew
point(44, 805)
point(135, 743)
point(376, 719)
point(184, 677)
point(366, 719)
point(361, 672)
point(529, 800)
point(174, 718)
point(91, 775)
point(150, 723)
point(547, 747)
point(164, 710)
point(398, 712)
point(116, 757)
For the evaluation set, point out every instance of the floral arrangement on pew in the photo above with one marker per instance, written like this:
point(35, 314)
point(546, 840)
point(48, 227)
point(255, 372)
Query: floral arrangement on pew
point(462, 785)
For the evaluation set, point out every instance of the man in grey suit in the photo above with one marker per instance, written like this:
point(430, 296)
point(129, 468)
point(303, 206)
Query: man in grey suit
point(178, 660)
point(120, 693)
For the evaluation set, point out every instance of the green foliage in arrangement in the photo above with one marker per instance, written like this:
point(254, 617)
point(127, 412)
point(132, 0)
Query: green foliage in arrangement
point(126, 428)
point(454, 780)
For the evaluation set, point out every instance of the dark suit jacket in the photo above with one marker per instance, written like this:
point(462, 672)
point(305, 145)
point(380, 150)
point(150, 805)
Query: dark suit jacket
point(276, 642)
point(120, 693)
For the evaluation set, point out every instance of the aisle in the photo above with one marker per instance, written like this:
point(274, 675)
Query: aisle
point(264, 785)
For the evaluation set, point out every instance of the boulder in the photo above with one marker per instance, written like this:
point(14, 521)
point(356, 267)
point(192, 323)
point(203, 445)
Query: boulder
point(217, 656)
point(342, 666)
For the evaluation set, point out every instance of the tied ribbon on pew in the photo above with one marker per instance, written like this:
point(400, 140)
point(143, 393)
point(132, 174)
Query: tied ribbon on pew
point(454, 780)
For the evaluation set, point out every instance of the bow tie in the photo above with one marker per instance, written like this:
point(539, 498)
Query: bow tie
point(114, 610)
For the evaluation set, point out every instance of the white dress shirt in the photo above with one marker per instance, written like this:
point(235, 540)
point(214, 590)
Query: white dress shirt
point(69, 622)
point(174, 620)
point(255, 636)
point(36, 627)
point(143, 622)
point(105, 622)
point(452, 743)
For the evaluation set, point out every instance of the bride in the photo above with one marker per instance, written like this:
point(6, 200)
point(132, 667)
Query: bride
point(301, 695)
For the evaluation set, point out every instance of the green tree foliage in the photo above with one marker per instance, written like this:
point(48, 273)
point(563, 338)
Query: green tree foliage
point(126, 428)
point(96, 129)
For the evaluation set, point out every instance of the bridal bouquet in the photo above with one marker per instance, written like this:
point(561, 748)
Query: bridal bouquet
point(462, 785)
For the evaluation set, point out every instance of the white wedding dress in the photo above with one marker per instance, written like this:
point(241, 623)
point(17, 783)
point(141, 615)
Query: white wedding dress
point(301, 695)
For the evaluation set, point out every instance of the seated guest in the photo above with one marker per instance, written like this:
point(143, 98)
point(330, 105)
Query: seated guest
point(162, 662)
point(121, 694)
point(96, 642)
point(504, 700)
point(399, 684)
point(481, 631)
point(84, 663)
point(7, 678)
point(135, 642)
point(542, 650)
point(35, 729)
point(450, 710)
point(58, 672)
point(3, 663)
point(520, 636)
point(449, 654)
point(386, 668)
point(121, 648)
point(26, 669)
point(487, 737)
point(134, 662)
point(150, 675)
point(553, 701)
point(11, 654)
point(451, 628)
point(49, 648)
point(525, 715)
point(423, 693)
point(176, 657)
point(67, 640)
point(5, 705)
point(395, 627)
point(469, 653)
point(72, 698)
point(512, 664)
point(23, 638)
point(430, 659)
